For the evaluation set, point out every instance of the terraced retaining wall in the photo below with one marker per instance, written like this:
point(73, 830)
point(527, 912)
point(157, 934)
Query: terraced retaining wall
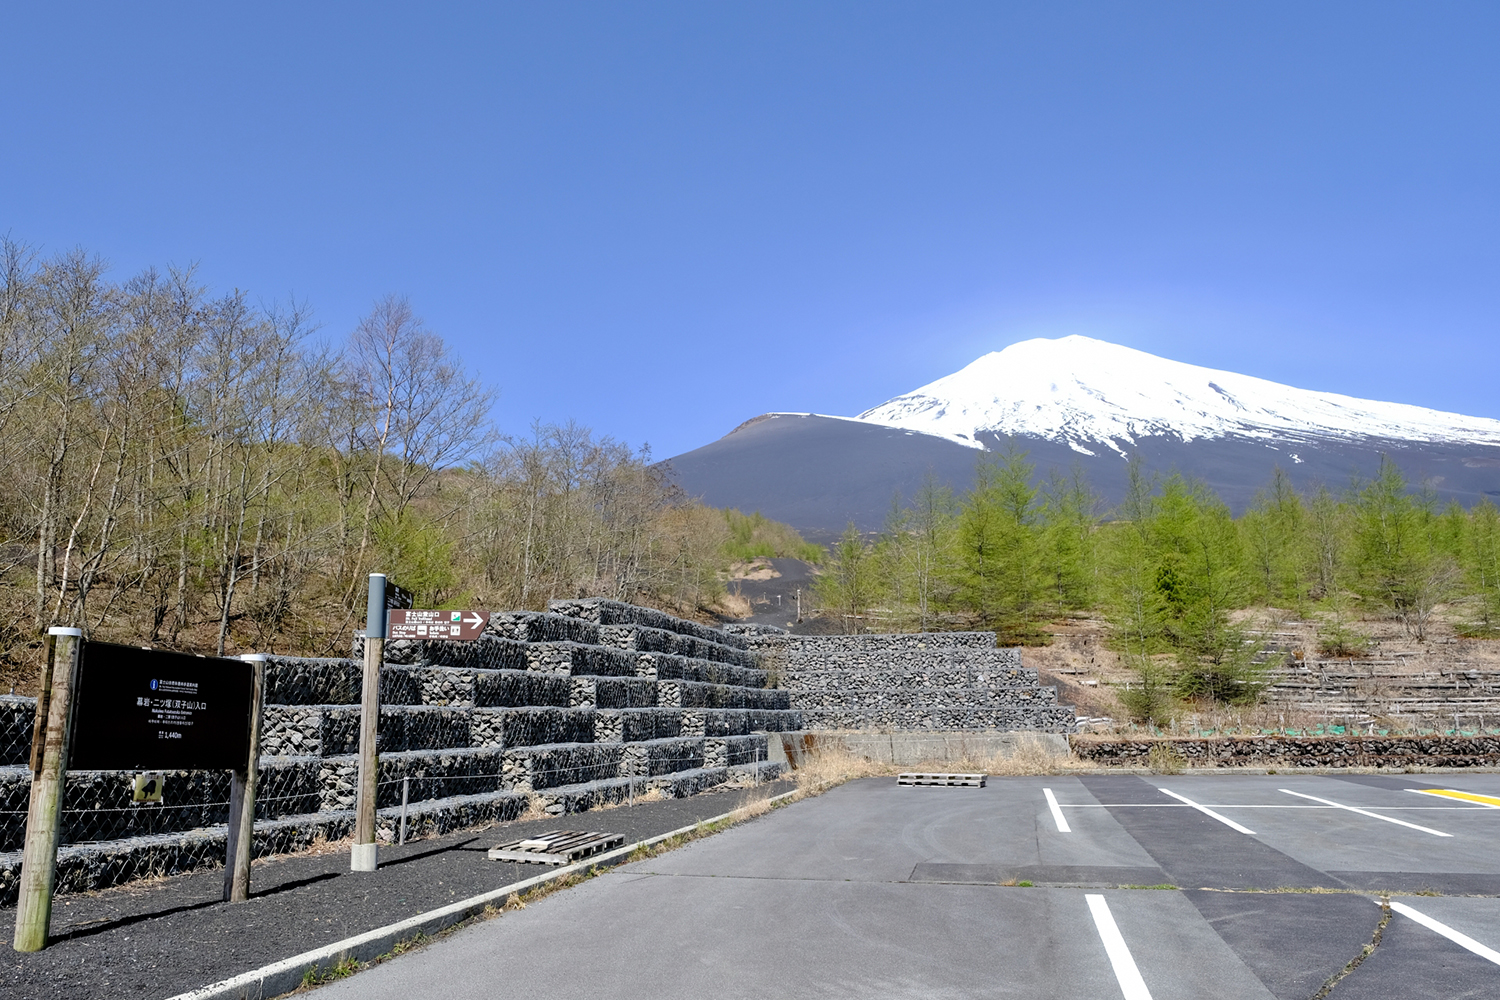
point(1296, 751)
point(564, 711)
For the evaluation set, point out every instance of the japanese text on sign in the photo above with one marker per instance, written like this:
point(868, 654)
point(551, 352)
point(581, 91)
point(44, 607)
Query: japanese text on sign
point(420, 624)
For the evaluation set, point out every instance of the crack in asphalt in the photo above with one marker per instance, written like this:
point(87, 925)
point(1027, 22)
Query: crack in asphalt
point(1365, 952)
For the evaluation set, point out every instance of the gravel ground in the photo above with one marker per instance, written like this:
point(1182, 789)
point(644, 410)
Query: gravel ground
point(161, 938)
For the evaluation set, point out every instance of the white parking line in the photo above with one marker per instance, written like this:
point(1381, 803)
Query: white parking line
point(1057, 816)
point(1131, 983)
point(1366, 812)
point(1457, 937)
point(1208, 812)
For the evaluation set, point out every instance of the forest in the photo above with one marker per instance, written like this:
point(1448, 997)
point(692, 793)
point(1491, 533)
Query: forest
point(210, 473)
point(1170, 569)
point(206, 472)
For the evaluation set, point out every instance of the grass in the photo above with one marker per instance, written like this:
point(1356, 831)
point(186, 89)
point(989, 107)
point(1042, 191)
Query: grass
point(833, 764)
point(1164, 759)
point(342, 969)
point(536, 807)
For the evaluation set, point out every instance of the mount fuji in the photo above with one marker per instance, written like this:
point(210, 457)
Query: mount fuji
point(1080, 402)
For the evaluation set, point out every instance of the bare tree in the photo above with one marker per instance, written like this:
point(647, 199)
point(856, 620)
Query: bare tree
point(423, 411)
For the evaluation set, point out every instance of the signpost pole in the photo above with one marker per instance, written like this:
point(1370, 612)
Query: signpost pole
point(405, 791)
point(242, 790)
point(362, 856)
point(49, 769)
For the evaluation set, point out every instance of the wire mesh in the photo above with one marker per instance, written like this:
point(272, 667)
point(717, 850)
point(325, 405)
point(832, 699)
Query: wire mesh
point(461, 744)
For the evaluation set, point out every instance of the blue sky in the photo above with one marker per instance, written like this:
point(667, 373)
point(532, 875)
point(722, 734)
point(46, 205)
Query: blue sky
point(662, 219)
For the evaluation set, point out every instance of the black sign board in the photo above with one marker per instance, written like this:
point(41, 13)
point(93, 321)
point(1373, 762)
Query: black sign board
point(396, 596)
point(145, 709)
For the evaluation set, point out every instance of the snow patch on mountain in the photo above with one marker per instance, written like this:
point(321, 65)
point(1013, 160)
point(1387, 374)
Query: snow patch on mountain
point(1090, 394)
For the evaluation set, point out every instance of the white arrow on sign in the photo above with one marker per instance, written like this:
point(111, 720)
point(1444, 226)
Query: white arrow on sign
point(476, 620)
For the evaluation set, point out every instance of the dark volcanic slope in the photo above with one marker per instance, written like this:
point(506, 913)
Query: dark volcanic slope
point(819, 473)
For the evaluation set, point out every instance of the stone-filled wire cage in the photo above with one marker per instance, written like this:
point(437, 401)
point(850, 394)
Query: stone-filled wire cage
point(589, 705)
point(905, 682)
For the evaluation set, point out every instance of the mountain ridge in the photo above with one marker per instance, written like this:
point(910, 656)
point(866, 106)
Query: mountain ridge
point(1082, 391)
point(819, 472)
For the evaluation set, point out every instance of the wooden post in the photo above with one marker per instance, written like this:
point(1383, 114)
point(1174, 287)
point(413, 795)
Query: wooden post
point(49, 770)
point(243, 785)
point(363, 855)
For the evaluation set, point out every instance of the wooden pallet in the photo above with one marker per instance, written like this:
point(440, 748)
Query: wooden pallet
point(929, 778)
point(560, 847)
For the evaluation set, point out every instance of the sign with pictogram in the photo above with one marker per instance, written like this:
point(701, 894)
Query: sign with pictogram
point(414, 624)
point(148, 788)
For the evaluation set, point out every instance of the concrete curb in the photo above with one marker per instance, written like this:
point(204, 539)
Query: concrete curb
point(281, 977)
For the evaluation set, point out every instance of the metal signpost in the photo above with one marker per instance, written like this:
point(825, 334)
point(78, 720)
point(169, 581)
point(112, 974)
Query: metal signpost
point(123, 708)
point(363, 855)
point(464, 626)
point(389, 615)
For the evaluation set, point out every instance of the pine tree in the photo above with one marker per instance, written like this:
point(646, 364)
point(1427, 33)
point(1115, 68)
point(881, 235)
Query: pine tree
point(851, 584)
point(999, 545)
point(1070, 541)
point(1481, 562)
point(1400, 551)
point(1275, 534)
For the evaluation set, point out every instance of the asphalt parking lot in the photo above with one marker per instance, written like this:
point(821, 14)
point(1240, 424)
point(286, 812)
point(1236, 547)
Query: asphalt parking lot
point(1095, 886)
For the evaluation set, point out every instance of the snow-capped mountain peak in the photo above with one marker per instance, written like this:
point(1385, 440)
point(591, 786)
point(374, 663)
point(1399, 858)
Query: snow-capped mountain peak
point(1090, 394)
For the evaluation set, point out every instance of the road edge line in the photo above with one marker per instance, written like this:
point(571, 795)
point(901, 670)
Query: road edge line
point(281, 977)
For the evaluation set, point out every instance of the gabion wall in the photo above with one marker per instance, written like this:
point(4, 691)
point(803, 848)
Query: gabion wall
point(566, 711)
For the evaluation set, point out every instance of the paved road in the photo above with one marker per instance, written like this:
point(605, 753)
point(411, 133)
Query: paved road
point(155, 939)
point(879, 890)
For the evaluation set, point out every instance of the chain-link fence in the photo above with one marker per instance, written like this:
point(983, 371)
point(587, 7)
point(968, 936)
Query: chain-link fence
point(457, 747)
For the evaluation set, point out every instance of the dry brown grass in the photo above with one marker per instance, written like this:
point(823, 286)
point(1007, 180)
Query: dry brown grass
point(832, 764)
point(1034, 755)
point(735, 606)
point(1164, 759)
point(536, 807)
point(649, 795)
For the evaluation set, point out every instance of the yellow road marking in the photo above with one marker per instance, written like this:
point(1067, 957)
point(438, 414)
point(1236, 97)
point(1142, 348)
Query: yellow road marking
point(1453, 793)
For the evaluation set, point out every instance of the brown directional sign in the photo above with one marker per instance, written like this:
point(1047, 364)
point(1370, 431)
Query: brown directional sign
point(414, 624)
point(146, 709)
